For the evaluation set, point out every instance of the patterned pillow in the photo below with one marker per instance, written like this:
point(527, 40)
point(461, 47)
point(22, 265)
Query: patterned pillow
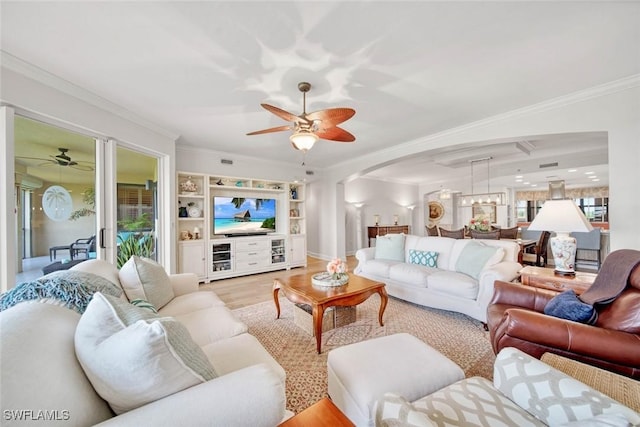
point(144, 304)
point(550, 395)
point(133, 357)
point(429, 259)
point(143, 278)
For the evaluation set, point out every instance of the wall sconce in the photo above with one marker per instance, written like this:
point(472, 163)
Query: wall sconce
point(376, 219)
point(395, 220)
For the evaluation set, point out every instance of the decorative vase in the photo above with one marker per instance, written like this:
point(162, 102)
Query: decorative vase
point(182, 212)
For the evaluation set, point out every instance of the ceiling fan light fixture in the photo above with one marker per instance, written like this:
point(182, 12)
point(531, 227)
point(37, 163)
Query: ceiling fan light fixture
point(303, 141)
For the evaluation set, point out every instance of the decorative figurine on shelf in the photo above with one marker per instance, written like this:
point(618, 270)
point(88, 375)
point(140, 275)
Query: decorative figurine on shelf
point(182, 211)
point(294, 193)
point(188, 187)
point(220, 182)
point(196, 233)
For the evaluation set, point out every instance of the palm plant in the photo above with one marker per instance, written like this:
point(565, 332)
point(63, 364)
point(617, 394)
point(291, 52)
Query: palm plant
point(137, 242)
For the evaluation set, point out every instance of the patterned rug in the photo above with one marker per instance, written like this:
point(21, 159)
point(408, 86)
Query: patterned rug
point(459, 337)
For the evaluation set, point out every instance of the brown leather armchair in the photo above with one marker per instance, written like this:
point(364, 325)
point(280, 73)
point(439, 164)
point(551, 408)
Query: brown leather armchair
point(516, 318)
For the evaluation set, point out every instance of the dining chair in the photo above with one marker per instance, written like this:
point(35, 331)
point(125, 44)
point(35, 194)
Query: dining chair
point(432, 231)
point(509, 233)
point(489, 235)
point(539, 255)
point(455, 234)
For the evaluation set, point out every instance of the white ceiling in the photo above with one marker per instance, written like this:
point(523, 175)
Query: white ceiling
point(409, 69)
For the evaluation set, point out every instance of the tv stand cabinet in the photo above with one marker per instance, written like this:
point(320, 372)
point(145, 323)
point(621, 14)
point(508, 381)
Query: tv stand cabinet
point(214, 257)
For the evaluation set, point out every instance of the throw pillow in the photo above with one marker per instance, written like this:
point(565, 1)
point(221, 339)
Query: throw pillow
point(390, 246)
point(474, 257)
point(603, 420)
point(71, 289)
point(132, 357)
point(567, 305)
point(426, 258)
point(143, 278)
point(394, 410)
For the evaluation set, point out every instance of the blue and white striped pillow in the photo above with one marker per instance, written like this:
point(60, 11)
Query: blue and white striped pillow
point(426, 258)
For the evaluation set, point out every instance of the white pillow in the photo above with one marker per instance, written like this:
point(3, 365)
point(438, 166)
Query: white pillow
point(132, 357)
point(143, 278)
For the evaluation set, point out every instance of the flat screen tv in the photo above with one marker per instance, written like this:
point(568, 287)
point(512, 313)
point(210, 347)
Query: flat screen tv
point(243, 216)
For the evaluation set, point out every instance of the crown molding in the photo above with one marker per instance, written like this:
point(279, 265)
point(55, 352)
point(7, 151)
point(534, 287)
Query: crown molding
point(40, 75)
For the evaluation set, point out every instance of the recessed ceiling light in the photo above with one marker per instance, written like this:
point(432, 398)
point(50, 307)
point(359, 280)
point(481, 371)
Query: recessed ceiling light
point(572, 170)
point(592, 177)
point(589, 173)
point(526, 183)
point(596, 180)
point(518, 176)
point(518, 180)
point(534, 185)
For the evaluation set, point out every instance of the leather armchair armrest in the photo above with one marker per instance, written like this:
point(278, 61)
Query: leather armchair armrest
point(518, 295)
point(591, 341)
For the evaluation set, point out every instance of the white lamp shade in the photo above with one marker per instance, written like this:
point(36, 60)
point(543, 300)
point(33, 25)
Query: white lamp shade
point(560, 216)
point(303, 141)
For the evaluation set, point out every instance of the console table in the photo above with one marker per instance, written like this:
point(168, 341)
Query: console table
point(381, 230)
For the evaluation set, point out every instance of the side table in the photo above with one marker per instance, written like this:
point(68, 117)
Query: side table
point(545, 278)
point(321, 414)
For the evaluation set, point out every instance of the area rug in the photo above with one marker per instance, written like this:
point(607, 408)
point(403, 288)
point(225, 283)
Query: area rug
point(457, 336)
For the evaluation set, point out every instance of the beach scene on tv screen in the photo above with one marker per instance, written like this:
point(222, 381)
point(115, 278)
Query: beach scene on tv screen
point(243, 215)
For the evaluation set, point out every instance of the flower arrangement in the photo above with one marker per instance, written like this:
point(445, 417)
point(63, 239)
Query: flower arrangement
point(337, 268)
point(480, 223)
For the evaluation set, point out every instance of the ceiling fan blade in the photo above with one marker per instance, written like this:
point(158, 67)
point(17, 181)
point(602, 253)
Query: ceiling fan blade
point(276, 129)
point(83, 168)
point(335, 134)
point(331, 116)
point(284, 114)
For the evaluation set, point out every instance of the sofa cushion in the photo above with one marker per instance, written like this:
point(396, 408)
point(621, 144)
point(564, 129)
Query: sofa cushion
point(211, 324)
point(475, 256)
point(426, 258)
point(379, 267)
point(184, 304)
point(143, 278)
point(39, 369)
point(548, 394)
point(390, 246)
point(102, 268)
point(133, 357)
point(455, 284)
point(410, 274)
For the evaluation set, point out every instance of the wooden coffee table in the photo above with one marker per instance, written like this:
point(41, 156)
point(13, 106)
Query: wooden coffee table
point(321, 414)
point(299, 289)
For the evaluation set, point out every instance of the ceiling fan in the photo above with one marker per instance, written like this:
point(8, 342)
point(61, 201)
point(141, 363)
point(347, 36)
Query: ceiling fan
point(62, 159)
point(309, 127)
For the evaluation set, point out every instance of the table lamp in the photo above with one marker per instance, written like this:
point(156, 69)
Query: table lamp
point(563, 217)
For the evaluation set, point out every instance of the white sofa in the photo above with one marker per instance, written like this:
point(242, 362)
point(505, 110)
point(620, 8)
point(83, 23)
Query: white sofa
point(442, 287)
point(42, 378)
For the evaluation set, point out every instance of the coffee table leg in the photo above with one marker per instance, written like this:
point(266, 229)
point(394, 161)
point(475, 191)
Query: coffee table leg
point(318, 313)
point(383, 304)
point(276, 289)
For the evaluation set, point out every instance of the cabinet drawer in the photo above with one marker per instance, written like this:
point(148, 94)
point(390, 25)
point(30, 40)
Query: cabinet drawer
point(253, 255)
point(252, 264)
point(252, 245)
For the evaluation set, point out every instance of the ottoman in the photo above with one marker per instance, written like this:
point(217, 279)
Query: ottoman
point(359, 374)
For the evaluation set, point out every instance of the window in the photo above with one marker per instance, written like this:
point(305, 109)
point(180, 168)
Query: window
point(135, 202)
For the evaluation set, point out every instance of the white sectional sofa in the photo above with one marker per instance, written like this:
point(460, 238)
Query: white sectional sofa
point(457, 282)
point(43, 379)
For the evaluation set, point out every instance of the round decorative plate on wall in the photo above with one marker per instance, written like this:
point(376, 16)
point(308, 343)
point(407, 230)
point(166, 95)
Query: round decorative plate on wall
point(436, 211)
point(57, 203)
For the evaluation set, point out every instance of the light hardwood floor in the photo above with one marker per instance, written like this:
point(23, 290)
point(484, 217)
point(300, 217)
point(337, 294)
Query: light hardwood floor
point(248, 290)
